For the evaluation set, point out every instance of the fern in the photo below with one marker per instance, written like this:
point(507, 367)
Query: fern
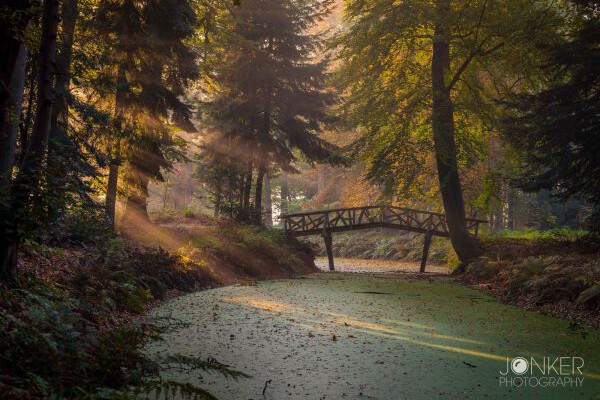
point(590, 294)
point(161, 389)
point(195, 363)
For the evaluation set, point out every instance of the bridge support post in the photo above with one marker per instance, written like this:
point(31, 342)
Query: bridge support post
point(426, 245)
point(329, 247)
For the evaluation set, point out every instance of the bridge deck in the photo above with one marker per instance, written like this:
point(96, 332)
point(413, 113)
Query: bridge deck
point(347, 219)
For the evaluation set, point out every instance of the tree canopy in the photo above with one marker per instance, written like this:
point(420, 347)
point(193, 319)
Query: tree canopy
point(421, 76)
point(556, 130)
point(453, 106)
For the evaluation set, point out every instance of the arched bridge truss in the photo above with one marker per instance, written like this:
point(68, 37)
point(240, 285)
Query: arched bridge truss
point(326, 222)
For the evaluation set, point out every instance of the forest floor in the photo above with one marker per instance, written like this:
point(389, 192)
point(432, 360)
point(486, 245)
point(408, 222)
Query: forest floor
point(230, 252)
point(343, 335)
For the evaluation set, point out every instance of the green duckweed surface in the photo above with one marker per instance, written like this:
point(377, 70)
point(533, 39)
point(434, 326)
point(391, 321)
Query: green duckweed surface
point(365, 336)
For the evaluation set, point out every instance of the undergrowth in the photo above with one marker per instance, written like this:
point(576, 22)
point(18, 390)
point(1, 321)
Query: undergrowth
point(387, 245)
point(556, 271)
point(247, 246)
point(560, 234)
point(74, 334)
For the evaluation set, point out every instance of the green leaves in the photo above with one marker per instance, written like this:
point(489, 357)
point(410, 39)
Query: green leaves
point(555, 129)
point(385, 56)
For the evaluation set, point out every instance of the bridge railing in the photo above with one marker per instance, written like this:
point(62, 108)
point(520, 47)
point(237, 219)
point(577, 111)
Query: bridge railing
point(314, 222)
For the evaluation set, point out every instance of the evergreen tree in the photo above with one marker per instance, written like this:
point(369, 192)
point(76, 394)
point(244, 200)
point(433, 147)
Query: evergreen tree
point(274, 96)
point(222, 177)
point(557, 130)
point(152, 66)
point(14, 210)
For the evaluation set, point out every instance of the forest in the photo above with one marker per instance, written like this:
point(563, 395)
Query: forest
point(151, 150)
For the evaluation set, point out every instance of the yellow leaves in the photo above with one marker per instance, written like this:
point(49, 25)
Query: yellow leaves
point(358, 192)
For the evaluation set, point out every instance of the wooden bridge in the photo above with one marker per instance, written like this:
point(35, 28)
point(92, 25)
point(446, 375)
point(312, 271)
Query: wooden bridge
point(326, 222)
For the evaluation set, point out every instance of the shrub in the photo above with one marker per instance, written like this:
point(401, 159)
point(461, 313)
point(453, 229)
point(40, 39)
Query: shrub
point(590, 295)
point(187, 213)
point(559, 234)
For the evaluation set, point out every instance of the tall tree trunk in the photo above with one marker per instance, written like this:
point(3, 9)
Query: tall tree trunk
point(258, 211)
point(285, 194)
point(444, 140)
point(262, 150)
point(136, 208)
point(115, 162)
point(10, 128)
point(510, 209)
point(11, 49)
point(113, 183)
point(28, 179)
point(247, 191)
point(38, 142)
point(27, 116)
point(268, 203)
point(122, 86)
point(58, 146)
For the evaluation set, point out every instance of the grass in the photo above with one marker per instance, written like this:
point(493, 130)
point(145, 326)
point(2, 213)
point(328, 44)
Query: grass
point(562, 234)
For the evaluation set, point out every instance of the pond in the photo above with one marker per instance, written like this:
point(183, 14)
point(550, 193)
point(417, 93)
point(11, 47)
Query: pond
point(347, 335)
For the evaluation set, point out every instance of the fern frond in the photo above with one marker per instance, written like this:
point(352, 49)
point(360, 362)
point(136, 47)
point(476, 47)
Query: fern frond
point(161, 389)
point(209, 365)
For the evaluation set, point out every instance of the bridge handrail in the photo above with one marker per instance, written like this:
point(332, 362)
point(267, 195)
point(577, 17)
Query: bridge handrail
point(303, 214)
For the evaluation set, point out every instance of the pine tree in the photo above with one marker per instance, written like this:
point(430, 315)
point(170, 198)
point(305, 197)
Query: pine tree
point(63, 155)
point(274, 96)
point(153, 65)
point(557, 130)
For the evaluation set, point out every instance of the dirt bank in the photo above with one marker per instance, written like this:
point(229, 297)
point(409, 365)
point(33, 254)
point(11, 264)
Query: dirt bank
point(357, 265)
point(383, 244)
point(560, 278)
point(229, 253)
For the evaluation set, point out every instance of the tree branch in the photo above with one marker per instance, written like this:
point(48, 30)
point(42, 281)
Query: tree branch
point(465, 64)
